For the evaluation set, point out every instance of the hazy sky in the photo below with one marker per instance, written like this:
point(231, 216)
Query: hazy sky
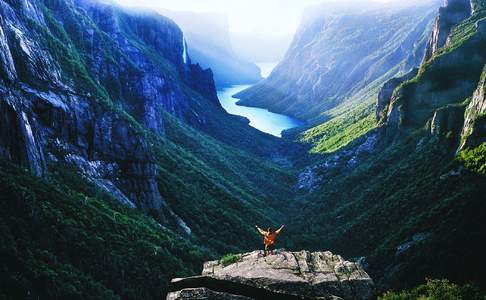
point(268, 16)
point(248, 16)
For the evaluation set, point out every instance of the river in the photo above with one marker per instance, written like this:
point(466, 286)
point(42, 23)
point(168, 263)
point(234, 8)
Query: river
point(260, 118)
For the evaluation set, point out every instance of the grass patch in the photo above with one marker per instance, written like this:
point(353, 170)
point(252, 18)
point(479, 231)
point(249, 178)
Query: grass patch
point(229, 259)
point(340, 131)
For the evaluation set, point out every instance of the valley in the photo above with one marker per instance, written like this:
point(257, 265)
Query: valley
point(136, 145)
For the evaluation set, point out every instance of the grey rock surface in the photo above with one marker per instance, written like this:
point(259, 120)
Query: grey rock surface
point(474, 130)
point(453, 12)
point(285, 275)
point(203, 294)
point(386, 93)
point(435, 101)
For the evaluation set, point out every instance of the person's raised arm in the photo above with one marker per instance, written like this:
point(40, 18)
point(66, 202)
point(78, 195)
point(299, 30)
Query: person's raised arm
point(280, 229)
point(262, 232)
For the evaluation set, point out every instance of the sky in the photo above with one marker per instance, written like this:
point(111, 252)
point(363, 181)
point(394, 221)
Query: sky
point(277, 17)
point(245, 16)
point(274, 21)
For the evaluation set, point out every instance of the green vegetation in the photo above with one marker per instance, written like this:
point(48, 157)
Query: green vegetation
point(207, 183)
point(411, 209)
point(479, 4)
point(450, 76)
point(465, 30)
point(408, 189)
point(60, 243)
point(63, 239)
point(229, 259)
point(437, 290)
point(475, 159)
point(340, 131)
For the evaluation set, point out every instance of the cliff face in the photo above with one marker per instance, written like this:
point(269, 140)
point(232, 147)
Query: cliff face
point(451, 14)
point(449, 77)
point(284, 276)
point(51, 110)
point(111, 93)
point(386, 93)
point(340, 54)
point(126, 66)
point(474, 130)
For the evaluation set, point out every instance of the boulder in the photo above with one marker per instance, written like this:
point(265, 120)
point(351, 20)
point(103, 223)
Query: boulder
point(285, 275)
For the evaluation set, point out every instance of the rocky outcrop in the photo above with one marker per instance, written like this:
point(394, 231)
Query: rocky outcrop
point(285, 275)
point(386, 93)
point(447, 120)
point(203, 293)
point(453, 12)
point(474, 130)
point(343, 161)
point(339, 55)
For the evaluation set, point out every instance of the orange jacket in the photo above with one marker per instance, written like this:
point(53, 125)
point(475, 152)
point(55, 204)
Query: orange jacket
point(269, 238)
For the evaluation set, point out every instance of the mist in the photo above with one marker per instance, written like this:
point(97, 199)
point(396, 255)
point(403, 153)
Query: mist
point(270, 24)
point(257, 16)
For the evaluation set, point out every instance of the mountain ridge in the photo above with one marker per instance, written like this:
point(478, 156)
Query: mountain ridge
point(326, 72)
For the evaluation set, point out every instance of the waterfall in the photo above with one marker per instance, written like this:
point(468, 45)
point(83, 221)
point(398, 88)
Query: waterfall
point(184, 52)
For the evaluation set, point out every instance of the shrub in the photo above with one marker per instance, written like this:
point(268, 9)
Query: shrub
point(437, 290)
point(475, 159)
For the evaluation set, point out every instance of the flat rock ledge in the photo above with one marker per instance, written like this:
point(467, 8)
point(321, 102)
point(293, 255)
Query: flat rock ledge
point(285, 275)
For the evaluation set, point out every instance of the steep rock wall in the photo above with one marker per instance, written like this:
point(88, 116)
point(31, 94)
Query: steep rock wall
point(53, 109)
point(474, 130)
point(451, 14)
point(449, 78)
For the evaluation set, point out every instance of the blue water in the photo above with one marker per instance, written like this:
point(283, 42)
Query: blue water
point(260, 118)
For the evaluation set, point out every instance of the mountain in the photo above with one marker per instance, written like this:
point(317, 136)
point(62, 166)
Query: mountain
point(340, 53)
point(209, 44)
point(403, 186)
point(134, 156)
